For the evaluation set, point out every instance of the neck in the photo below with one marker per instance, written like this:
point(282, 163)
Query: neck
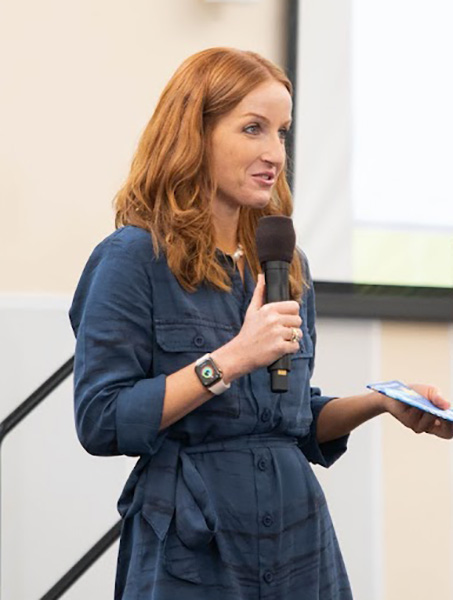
point(225, 219)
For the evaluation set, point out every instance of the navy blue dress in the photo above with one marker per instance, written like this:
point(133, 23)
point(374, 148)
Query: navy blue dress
point(223, 504)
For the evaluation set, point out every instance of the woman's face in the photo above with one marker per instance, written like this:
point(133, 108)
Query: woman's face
point(248, 146)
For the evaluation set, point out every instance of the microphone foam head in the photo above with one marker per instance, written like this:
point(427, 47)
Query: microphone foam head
point(275, 238)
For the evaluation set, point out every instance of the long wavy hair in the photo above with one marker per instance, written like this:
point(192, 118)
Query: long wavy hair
point(170, 186)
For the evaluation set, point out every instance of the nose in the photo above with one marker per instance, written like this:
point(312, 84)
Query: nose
point(274, 151)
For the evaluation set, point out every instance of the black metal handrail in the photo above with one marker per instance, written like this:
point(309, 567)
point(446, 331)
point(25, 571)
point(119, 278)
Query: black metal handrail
point(6, 426)
point(84, 563)
point(24, 409)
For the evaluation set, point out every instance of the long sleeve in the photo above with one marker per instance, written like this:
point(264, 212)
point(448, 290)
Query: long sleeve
point(118, 405)
point(327, 453)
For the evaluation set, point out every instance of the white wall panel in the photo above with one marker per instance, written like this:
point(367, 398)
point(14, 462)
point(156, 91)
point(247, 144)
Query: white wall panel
point(347, 358)
point(57, 500)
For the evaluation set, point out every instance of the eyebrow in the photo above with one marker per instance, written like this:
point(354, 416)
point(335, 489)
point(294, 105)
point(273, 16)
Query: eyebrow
point(263, 118)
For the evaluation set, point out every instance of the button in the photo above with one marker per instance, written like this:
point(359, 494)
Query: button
point(268, 576)
point(266, 415)
point(267, 520)
point(198, 340)
point(262, 464)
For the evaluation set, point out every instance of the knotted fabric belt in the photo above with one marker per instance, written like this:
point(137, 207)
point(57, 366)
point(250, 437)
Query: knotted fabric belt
point(168, 484)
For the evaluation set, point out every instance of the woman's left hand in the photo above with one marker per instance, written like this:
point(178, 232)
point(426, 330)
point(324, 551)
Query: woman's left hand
point(419, 420)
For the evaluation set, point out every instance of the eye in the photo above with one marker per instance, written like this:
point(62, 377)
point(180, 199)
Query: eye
point(283, 133)
point(253, 129)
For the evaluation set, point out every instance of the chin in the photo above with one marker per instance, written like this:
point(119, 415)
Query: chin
point(261, 202)
point(256, 201)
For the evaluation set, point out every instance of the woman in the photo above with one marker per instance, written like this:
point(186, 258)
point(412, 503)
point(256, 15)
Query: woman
point(173, 341)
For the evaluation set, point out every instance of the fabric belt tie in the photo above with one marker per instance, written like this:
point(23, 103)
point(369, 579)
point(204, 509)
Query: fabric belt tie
point(168, 484)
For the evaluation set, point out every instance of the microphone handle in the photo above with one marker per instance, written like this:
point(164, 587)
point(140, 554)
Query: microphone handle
point(276, 273)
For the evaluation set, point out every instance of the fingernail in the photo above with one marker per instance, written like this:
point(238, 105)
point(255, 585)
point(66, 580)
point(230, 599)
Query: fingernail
point(444, 401)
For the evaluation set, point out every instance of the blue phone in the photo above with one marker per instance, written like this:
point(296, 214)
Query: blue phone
point(403, 393)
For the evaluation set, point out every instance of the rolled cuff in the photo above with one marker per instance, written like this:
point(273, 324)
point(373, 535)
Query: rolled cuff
point(327, 453)
point(139, 415)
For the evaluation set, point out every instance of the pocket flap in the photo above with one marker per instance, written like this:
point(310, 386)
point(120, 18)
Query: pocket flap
point(191, 336)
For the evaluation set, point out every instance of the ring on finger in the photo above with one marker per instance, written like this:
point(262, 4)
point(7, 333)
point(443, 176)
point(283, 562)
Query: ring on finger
point(295, 334)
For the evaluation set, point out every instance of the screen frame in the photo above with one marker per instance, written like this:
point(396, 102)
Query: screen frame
point(356, 300)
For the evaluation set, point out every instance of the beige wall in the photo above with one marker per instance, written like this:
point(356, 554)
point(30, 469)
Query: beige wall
point(80, 80)
point(418, 525)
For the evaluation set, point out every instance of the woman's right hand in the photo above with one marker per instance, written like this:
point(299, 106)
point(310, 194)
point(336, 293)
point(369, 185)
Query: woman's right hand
point(266, 332)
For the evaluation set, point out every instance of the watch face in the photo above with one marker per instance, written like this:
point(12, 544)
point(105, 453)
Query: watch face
point(208, 373)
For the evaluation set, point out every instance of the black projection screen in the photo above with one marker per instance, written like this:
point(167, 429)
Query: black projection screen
point(344, 296)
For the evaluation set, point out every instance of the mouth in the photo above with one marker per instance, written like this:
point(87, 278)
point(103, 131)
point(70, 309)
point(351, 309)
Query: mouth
point(265, 179)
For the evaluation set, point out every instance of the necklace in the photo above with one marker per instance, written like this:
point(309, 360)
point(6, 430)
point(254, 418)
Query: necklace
point(237, 254)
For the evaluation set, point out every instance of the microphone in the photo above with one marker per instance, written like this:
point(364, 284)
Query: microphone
point(275, 243)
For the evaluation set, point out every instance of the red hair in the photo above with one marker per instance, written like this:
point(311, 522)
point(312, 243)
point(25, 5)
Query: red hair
point(170, 187)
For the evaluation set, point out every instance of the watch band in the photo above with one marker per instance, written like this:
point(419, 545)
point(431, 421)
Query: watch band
point(219, 386)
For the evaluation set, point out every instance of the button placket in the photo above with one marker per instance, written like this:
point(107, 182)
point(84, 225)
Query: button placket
point(268, 576)
point(267, 520)
point(262, 464)
point(265, 415)
point(265, 486)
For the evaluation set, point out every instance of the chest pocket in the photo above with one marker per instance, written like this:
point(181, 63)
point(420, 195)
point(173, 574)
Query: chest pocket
point(180, 343)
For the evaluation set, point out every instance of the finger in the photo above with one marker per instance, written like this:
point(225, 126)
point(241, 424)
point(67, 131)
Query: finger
point(436, 427)
point(435, 396)
point(412, 418)
point(425, 423)
point(432, 393)
point(444, 430)
point(291, 321)
point(258, 297)
point(289, 332)
point(291, 347)
point(286, 307)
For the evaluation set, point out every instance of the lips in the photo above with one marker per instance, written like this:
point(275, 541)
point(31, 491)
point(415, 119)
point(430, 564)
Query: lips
point(266, 178)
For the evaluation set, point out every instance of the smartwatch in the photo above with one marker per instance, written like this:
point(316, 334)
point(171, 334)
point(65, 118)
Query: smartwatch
point(210, 375)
